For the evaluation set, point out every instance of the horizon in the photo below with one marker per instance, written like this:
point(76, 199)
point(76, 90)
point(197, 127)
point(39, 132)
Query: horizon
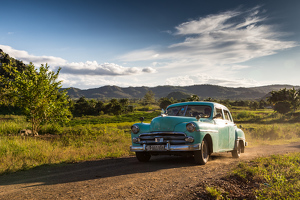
point(182, 86)
point(129, 43)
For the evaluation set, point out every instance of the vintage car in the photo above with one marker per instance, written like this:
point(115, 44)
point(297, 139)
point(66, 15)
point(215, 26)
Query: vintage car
point(189, 128)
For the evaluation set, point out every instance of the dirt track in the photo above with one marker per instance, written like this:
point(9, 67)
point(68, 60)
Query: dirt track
point(164, 177)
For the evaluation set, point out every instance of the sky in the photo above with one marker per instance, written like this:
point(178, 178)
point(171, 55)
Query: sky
point(232, 43)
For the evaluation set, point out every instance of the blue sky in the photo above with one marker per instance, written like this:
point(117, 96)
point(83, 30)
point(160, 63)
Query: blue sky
point(234, 43)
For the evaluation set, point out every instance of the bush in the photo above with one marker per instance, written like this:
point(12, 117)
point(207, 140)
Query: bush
point(282, 107)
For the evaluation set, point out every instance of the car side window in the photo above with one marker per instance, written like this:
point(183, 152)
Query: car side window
point(227, 115)
point(219, 113)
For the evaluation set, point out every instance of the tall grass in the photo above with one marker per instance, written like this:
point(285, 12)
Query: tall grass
point(278, 176)
point(271, 133)
point(12, 124)
point(71, 145)
point(95, 137)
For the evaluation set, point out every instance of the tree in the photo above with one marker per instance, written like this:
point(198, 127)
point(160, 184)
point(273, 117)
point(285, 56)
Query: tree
point(149, 97)
point(165, 102)
point(254, 105)
point(113, 107)
point(292, 96)
point(38, 94)
point(194, 97)
point(81, 107)
point(124, 104)
point(282, 107)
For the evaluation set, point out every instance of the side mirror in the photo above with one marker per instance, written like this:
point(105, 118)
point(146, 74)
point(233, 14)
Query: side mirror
point(142, 119)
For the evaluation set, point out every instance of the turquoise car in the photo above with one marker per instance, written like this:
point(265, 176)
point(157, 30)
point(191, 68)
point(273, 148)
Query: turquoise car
point(189, 128)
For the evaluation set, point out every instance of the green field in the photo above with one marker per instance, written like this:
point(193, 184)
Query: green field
point(105, 136)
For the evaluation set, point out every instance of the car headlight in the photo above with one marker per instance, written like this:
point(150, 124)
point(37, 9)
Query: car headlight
point(191, 127)
point(135, 129)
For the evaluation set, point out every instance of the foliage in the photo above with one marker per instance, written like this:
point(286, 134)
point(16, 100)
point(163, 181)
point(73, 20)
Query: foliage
point(74, 144)
point(254, 105)
point(165, 102)
point(194, 97)
point(214, 193)
point(271, 132)
point(84, 106)
point(247, 116)
point(37, 93)
point(94, 137)
point(5, 59)
point(277, 175)
point(282, 107)
point(149, 97)
point(113, 107)
point(292, 96)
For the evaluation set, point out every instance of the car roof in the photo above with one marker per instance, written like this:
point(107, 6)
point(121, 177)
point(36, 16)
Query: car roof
point(204, 103)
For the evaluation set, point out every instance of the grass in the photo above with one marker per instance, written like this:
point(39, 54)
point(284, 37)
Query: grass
point(260, 134)
point(214, 193)
point(277, 177)
point(103, 119)
point(95, 137)
point(105, 136)
point(58, 144)
point(76, 144)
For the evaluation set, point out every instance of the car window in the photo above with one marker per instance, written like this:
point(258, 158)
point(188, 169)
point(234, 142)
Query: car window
point(190, 111)
point(193, 111)
point(175, 111)
point(227, 115)
point(219, 113)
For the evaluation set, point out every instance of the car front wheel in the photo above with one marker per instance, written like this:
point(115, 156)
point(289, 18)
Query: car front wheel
point(142, 156)
point(201, 157)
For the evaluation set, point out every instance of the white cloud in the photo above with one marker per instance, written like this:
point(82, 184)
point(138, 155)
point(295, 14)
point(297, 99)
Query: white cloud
point(139, 55)
point(27, 58)
point(207, 24)
point(223, 39)
point(106, 69)
point(206, 79)
point(91, 68)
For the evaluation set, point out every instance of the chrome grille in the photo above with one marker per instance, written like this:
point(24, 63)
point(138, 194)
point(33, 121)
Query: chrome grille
point(155, 138)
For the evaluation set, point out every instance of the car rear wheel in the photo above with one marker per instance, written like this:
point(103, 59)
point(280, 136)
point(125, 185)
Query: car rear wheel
point(142, 156)
point(201, 157)
point(237, 152)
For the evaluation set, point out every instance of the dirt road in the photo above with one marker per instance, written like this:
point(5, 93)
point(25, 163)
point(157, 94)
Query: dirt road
point(164, 177)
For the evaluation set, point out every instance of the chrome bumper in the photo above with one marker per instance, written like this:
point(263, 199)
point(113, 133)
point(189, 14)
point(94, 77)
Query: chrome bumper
point(168, 147)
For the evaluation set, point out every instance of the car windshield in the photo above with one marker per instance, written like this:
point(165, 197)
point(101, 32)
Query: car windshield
point(190, 111)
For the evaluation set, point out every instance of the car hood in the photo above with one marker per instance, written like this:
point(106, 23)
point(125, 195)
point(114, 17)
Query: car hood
point(168, 123)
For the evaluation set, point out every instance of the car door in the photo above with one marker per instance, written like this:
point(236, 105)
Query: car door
point(230, 128)
point(223, 136)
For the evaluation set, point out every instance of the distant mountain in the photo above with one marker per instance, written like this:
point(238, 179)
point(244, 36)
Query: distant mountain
point(177, 92)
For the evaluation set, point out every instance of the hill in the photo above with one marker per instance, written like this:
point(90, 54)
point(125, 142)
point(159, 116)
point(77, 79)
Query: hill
point(203, 91)
point(177, 92)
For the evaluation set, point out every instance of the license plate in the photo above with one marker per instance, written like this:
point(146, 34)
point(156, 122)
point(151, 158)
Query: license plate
point(155, 148)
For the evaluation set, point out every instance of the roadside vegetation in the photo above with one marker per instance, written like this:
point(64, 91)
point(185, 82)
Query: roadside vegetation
point(273, 177)
point(276, 177)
